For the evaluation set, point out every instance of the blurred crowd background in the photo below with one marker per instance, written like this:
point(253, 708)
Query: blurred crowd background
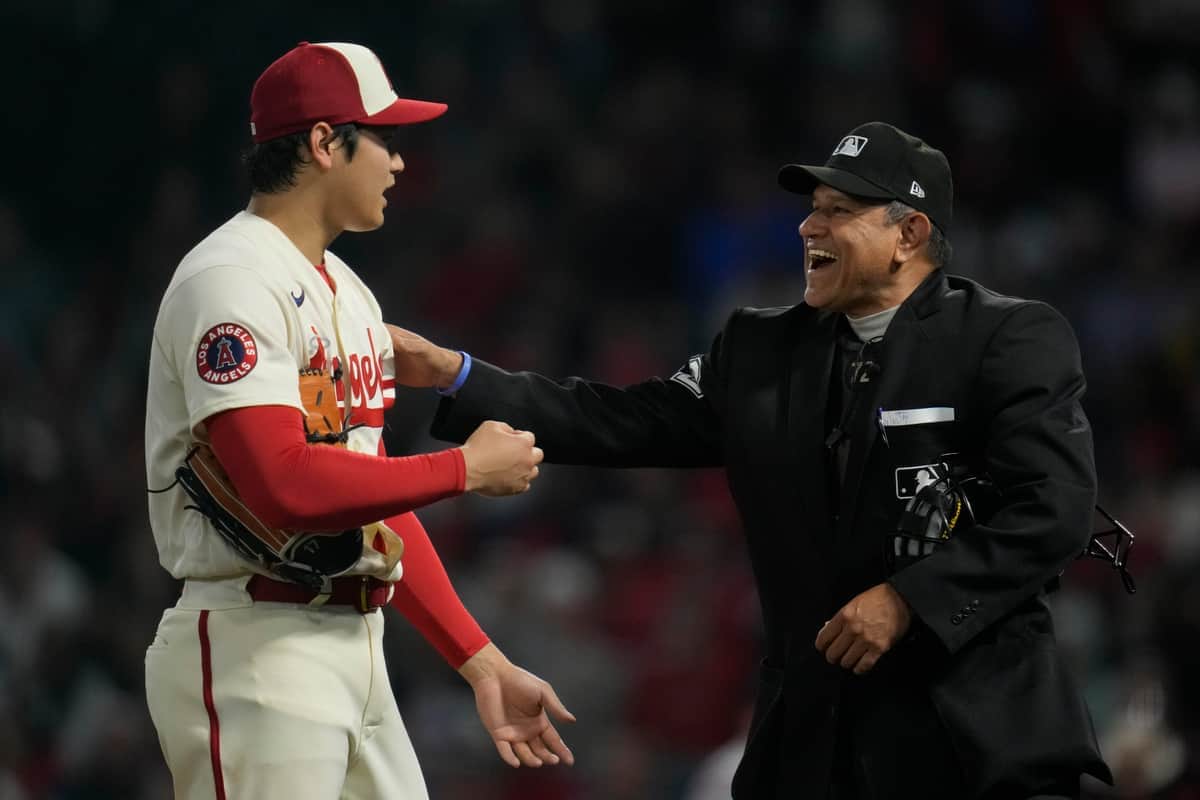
point(601, 194)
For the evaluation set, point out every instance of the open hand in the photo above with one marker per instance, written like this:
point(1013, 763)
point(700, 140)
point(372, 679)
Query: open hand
point(420, 363)
point(512, 706)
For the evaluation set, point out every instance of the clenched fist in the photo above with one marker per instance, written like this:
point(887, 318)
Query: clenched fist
point(500, 460)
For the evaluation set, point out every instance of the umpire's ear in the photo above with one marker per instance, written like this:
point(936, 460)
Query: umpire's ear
point(914, 235)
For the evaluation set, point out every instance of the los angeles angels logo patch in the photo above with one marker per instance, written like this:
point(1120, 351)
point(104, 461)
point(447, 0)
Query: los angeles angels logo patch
point(226, 353)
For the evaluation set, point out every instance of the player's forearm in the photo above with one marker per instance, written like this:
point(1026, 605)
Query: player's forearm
point(292, 484)
point(427, 599)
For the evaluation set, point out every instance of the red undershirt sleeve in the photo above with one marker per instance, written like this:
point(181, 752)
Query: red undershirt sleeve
point(427, 599)
point(292, 484)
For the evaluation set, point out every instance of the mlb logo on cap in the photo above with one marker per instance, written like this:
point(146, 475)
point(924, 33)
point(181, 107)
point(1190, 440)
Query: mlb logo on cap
point(896, 166)
point(333, 82)
point(850, 146)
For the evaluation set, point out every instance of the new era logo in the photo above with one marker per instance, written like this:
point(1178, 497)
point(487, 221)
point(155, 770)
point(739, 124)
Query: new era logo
point(850, 146)
point(916, 191)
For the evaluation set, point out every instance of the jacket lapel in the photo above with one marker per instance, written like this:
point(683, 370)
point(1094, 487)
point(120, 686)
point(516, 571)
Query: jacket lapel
point(810, 366)
point(901, 344)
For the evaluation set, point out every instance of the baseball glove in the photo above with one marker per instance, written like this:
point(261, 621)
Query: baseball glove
point(306, 558)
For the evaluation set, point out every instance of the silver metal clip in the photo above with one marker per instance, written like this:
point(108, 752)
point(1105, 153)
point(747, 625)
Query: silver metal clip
point(326, 592)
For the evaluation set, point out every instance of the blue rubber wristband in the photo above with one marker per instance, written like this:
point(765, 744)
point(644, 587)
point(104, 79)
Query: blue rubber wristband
point(462, 376)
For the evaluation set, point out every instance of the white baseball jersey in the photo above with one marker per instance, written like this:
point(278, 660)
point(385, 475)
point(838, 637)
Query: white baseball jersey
point(244, 312)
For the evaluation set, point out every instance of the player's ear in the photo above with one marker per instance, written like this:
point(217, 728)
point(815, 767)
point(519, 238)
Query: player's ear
point(322, 142)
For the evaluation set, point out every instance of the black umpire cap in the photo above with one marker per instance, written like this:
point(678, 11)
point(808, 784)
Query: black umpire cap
point(878, 161)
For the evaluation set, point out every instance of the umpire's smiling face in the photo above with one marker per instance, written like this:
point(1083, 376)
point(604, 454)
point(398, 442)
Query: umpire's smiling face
point(850, 251)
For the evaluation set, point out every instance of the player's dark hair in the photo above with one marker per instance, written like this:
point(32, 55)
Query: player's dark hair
point(272, 165)
point(940, 250)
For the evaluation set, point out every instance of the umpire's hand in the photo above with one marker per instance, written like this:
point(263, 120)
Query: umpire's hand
point(420, 363)
point(865, 628)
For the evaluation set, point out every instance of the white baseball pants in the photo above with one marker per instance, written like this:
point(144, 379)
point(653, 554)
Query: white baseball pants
point(276, 701)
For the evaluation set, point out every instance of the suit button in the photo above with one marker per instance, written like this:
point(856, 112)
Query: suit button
point(956, 619)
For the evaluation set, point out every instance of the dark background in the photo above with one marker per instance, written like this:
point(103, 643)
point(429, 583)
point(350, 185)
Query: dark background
point(599, 197)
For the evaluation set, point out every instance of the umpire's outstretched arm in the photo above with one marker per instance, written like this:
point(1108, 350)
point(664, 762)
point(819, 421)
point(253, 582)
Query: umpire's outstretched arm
point(655, 423)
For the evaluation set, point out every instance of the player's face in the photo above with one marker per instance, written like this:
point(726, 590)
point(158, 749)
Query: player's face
point(365, 178)
point(849, 249)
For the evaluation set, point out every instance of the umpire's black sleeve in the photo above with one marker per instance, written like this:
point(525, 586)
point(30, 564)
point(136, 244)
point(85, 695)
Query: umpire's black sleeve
point(1038, 450)
point(657, 423)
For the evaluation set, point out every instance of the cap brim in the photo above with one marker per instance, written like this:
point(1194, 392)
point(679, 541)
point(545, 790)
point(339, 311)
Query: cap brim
point(406, 112)
point(803, 178)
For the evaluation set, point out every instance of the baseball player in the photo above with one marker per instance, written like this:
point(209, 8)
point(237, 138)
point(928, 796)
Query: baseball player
point(272, 496)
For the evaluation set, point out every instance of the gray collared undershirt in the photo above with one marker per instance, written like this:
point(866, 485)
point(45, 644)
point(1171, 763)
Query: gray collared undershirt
point(872, 326)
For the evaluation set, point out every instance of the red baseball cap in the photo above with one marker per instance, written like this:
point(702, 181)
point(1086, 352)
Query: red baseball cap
point(332, 82)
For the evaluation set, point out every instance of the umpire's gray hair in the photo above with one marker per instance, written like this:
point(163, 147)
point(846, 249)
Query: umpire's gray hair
point(940, 250)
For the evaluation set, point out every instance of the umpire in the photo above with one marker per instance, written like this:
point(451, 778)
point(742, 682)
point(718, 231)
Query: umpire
point(940, 679)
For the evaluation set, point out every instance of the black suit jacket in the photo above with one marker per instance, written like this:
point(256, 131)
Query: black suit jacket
point(976, 701)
